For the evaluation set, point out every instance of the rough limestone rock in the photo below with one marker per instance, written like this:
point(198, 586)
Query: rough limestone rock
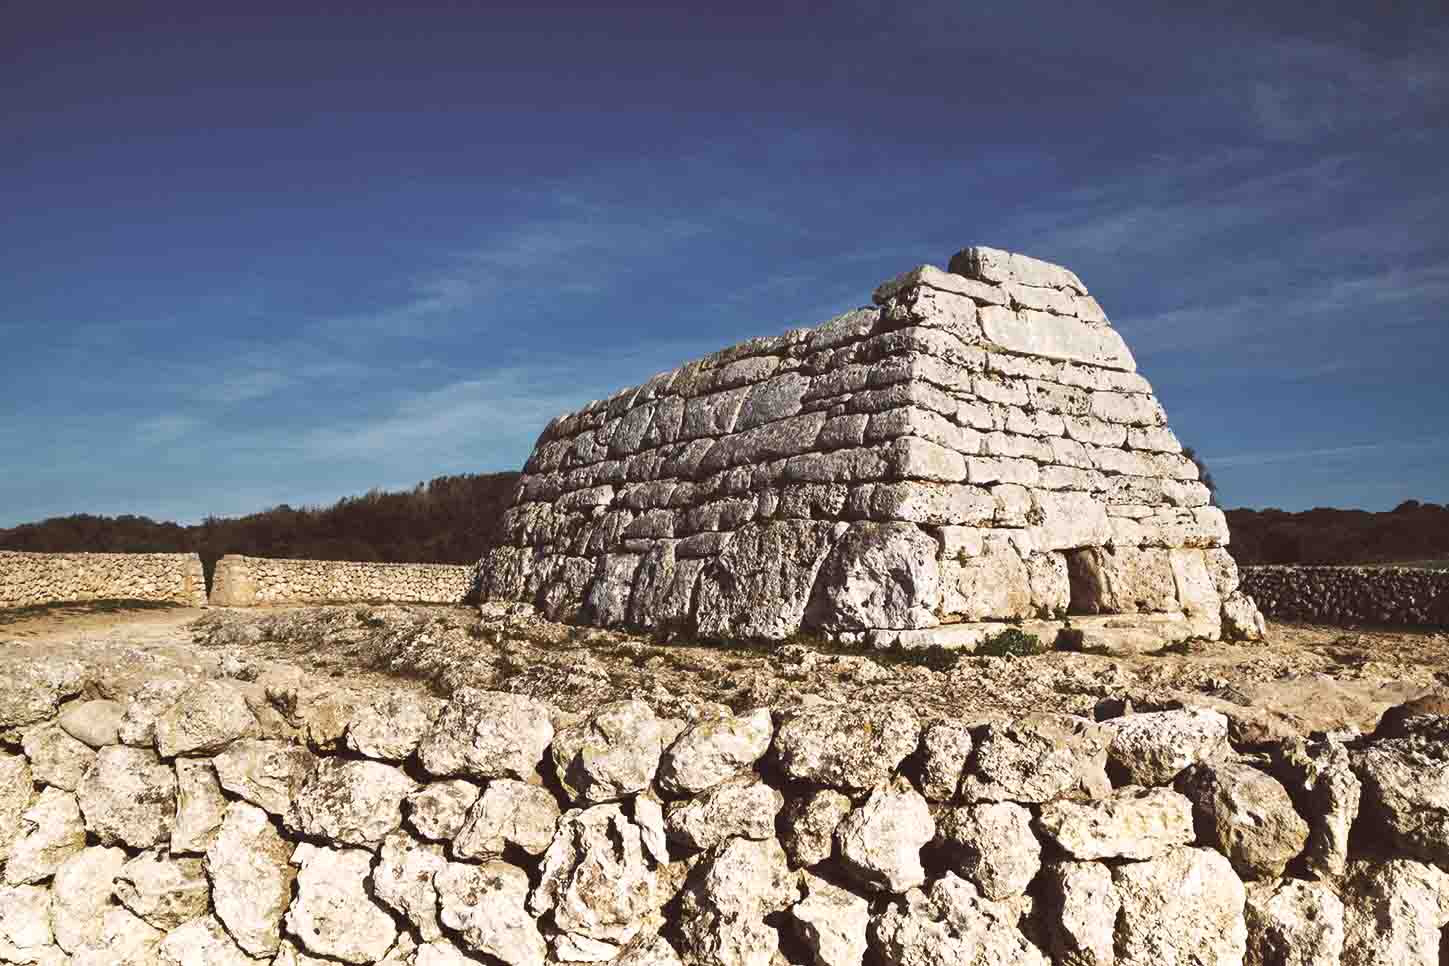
point(1184, 906)
point(201, 942)
point(1153, 748)
point(128, 797)
point(206, 718)
point(25, 933)
point(485, 905)
point(1242, 621)
point(354, 802)
point(487, 734)
point(509, 812)
point(145, 705)
point(729, 895)
point(265, 772)
point(810, 824)
point(1393, 912)
point(96, 723)
point(82, 890)
point(945, 750)
point(649, 816)
point(760, 585)
point(1039, 758)
point(594, 878)
point(16, 792)
point(850, 748)
point(712, 750)
point(1406, 791)
point(251, 875)
point(438, 809)
point(391, 727)
point(51, 831)
point(200, 806)
point(164, 891)
point(951, 923)
point(403, 880)
point(124, 939)
point(743, 806)
point(991, 845)
point(1246, 815)
point(879, 576)
point(1082, 905)
point(56, 758)
point(1325, 790)
point(880, 842)
point(612, 753)
point(647, 951)
point(31, 690)
point(333, 915)
point(1131, 823)
point(1293, 923)
point(831, 922)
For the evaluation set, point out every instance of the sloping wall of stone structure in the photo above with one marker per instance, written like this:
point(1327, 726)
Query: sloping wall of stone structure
point(246, 581)
point(296, 820)
point(1351, 595)
point(28, 579)
point(977, 446)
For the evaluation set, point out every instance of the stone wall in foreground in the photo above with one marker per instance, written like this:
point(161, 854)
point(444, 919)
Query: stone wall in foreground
point(1350, 595)
point(288, 820)
point(976, 446)
point(29, 579)
point(246, 581)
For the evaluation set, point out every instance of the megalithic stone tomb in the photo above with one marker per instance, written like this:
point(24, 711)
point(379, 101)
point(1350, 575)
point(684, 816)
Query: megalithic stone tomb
point(974, 449)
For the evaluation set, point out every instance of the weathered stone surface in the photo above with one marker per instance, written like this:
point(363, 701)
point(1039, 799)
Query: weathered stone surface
point(951, 923)
point(992, 586)
point(1153, 748)
point(1326, 792)
point(1131, 823)
point(208, 716)
point(1406, 792)
point(880, 842)
point(25, 933)
point(129, 797)
point(1242, 621)
point(145, 705)
point(945, 750)
point(509, 812)
point(612, 753)
point(810, 824)
point(16, 791)
point(56, 758)
point(724, 905)
point(200, 806)
point(831, 922)
point(333, 915)
point(354, 802)
point(201, 942)
point(1037, 759)
point(1184, 906)
point(96, 723)
point(849, 748)
point(1393, 912)
point(485, 905)
point(82, 890)
point(487, 734)
point(265, 772)
point(251, 875)
point(992, 846)
point(403, 880)
point(391, 727)
point(123, 940)
point(594, 878)
point(1081, 906)
point(438, 809)
point(760, 585)
point(1246, 815)
point(51, 831)
point(31, 690)
point(712, 750)
point(165, 892)
point(646, 951)
point(878, 575)
point(743, 806)
point(1293, 923)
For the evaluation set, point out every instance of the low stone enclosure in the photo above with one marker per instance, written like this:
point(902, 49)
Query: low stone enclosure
point(976, 447)
point(246, 581)
point(29, 579)
point(292, 820)
point(1350, 595)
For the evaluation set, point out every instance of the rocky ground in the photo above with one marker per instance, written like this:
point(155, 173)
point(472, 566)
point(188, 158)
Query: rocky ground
point(1302, 680)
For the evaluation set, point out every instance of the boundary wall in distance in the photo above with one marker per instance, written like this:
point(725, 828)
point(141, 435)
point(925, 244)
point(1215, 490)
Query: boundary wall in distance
point(242, 581)
point(1350, 595)
point(31, 579)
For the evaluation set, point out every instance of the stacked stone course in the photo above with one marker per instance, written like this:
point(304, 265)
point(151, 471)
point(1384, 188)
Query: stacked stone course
point(975, 447)
point(291, 820)
point(246, 581)
point(1351, 595)
point(30, 579)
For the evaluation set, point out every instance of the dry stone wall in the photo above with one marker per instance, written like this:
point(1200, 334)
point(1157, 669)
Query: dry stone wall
point(290, 820)
point(246, 581)
point(1351, 595)
point(975, 447)
point(29, 579)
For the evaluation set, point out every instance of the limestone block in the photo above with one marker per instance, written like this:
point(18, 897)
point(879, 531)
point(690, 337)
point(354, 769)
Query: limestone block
point(487, 734)
point(1153, 748)
point(1185, 906)
point(251, 878)
point(878, 576)
point(1039, 758)
point(333, 915)
point(1196, 592)
point(97, 723)
point(1294, 923)
point(164, 891)
point(760, 585)
point(979, 291)
point(1094, 431)
point(612, 753)
point(1406, 793)
point(1018, 447)
point(1069, 520)
point(485, 905)
point(353, 802)
point(1393, 912)
point(935, 308)
point(742, 806)
point(809, 826)
point(1009, 268)
point(31, 690)
point(1130, 823)
point(594, 877)
point(994, 584)
point(16, 792)
point(1325, 790)
point(51, 831)
point(83, 886)
point(129, 797)
point(25, 930)
point(265, 772)
point(206, 718)
point(1123, 580)
point(1082, 906)
point(723, 908)
point(845, 747)
point(1051, 590)
point(952, 923)
point(509, 813)
point(831, 922)
point(1034, 333)
point(204, 942)
point(848, 327)
point(714, 749)
point(438, 809)
point(56, 758)
point(390, 727)
point(931, 503)
point(1131, 409)
point(712, 415)
point(992, 846)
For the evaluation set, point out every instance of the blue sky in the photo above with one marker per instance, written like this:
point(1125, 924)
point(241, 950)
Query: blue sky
point(265, 257)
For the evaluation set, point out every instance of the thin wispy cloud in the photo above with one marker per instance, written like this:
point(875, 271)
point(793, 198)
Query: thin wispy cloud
point(1349, 452)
